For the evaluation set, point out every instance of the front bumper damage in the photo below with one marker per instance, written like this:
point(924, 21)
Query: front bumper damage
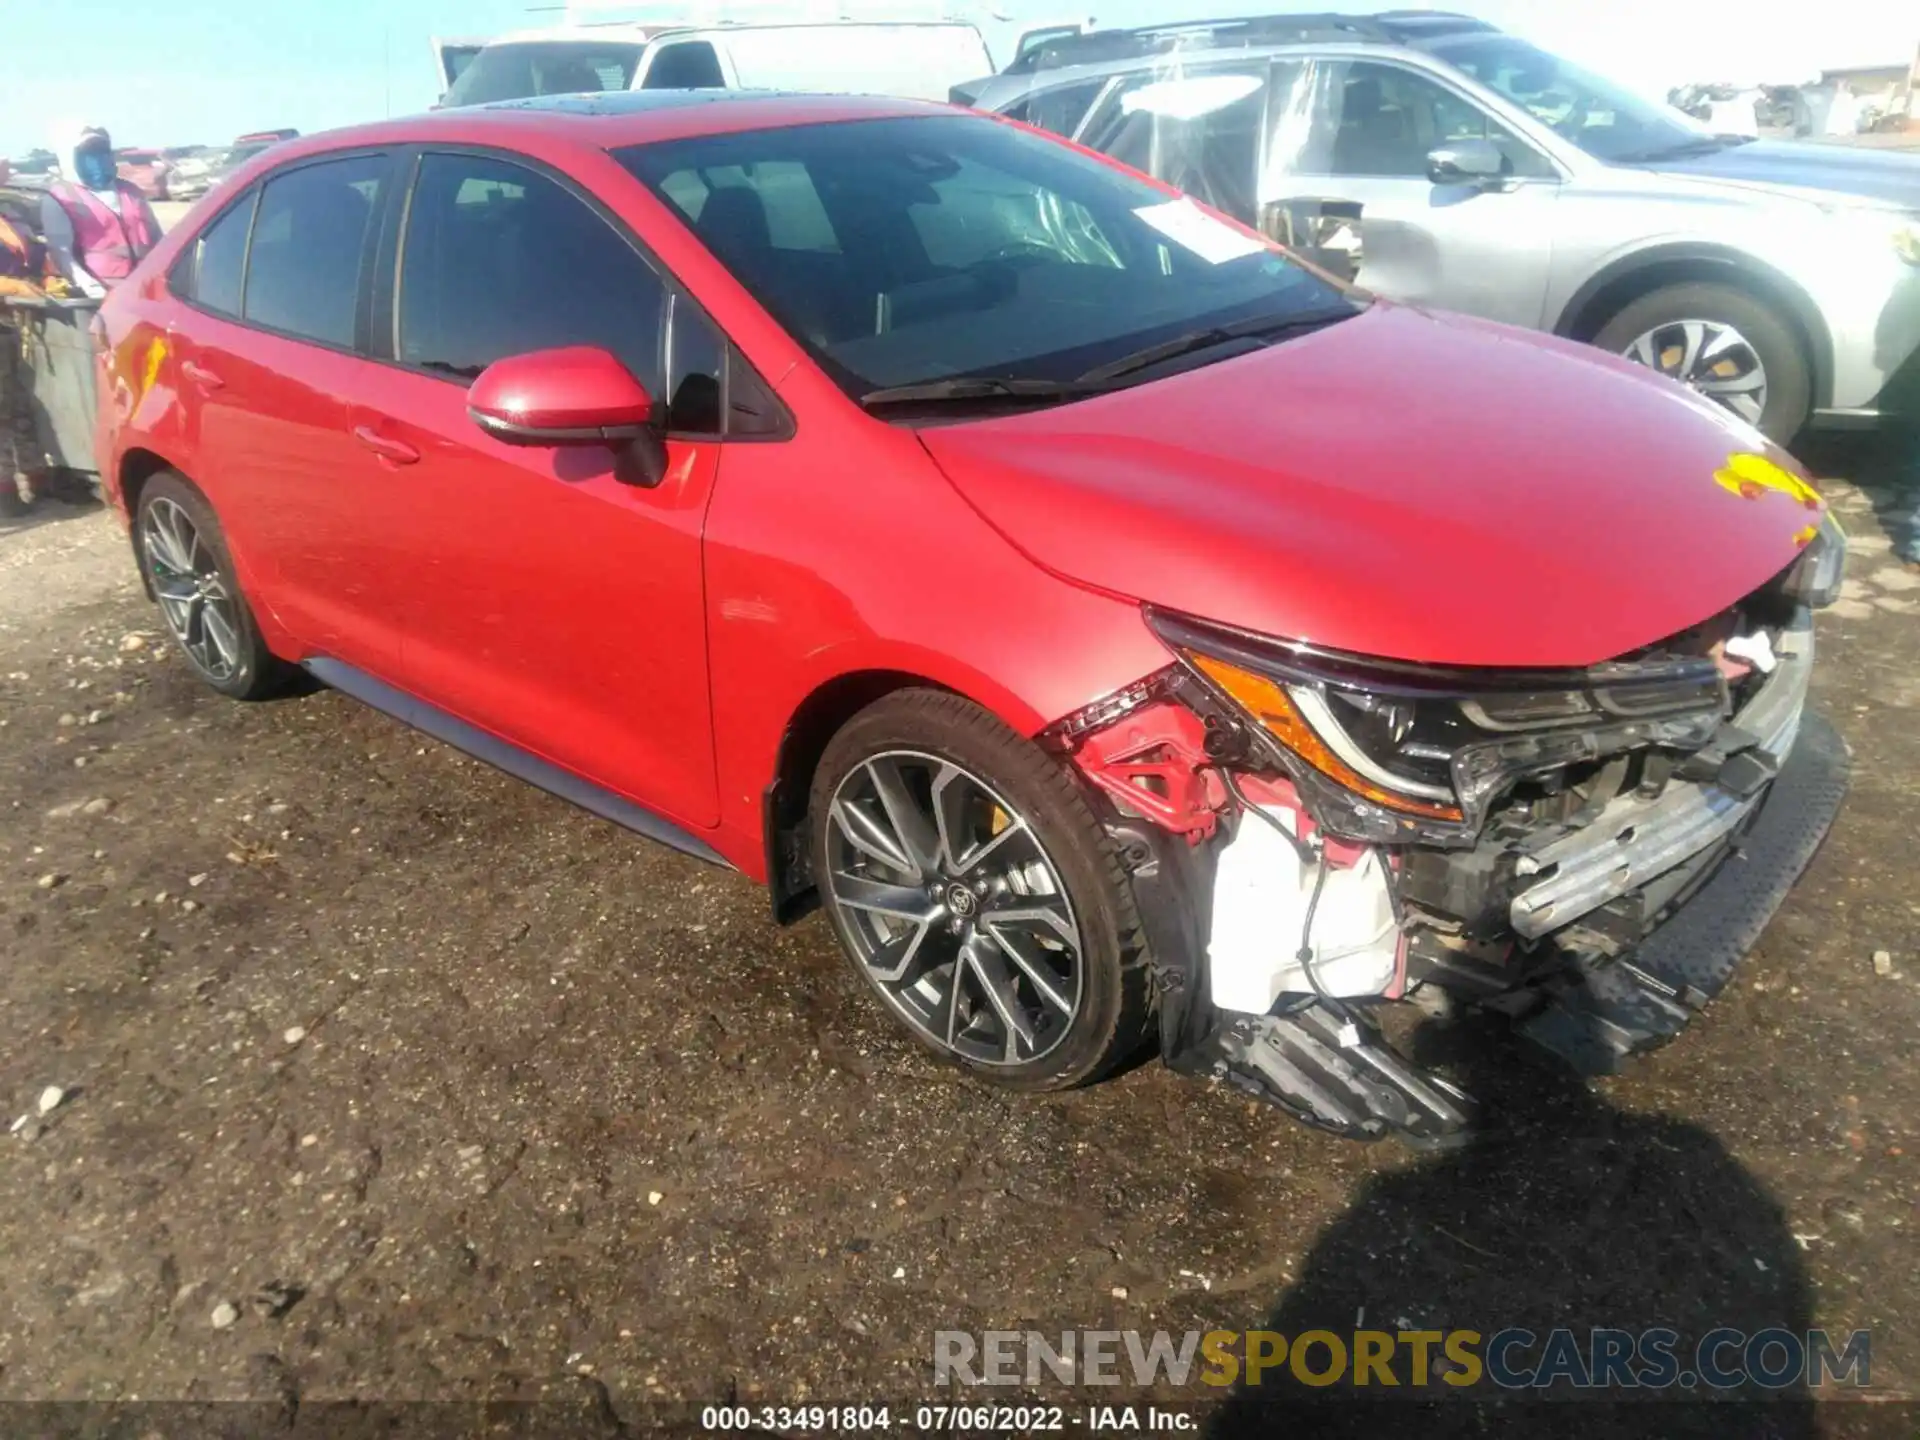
point(1615, 932)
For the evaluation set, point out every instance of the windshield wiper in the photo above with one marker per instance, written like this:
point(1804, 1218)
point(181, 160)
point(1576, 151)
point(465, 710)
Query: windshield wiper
point(979, 387)
point(1262, 327)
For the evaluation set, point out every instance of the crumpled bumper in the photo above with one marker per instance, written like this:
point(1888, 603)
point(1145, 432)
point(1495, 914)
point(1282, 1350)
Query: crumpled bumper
point(1607, 1009)
point(1636, 840)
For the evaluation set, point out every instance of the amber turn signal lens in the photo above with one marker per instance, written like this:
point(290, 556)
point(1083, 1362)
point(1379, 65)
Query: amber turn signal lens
point(1266, 702)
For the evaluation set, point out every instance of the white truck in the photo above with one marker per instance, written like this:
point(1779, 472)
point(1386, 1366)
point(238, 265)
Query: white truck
point(890, 49)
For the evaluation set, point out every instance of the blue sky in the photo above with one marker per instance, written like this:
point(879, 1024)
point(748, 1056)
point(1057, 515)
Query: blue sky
point(161, 72)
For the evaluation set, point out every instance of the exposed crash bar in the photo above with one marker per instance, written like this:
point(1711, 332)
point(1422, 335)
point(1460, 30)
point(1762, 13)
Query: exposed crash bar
point(1636, 839)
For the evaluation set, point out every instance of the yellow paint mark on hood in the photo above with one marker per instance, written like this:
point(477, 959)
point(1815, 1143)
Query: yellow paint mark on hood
point(1750, 476)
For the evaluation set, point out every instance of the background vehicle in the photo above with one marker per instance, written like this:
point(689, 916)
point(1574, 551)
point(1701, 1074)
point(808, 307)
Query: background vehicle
point(34, 170)
point(189, 170)
point(922, 60)
point(1448, 164)
point(921, 515)
point(244, 149)
point(146, 169)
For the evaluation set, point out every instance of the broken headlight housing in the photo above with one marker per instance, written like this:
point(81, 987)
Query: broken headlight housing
point(1389, 751)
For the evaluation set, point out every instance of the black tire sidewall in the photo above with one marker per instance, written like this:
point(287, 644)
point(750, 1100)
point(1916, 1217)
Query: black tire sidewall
point(258, 672)
point(1110, 1024)
point(1774, 339)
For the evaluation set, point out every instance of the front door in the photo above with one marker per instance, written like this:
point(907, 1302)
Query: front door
point(549, 602)
point(1353, 136)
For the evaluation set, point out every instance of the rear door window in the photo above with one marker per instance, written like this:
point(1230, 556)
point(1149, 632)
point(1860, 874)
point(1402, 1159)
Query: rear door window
point(500, 260)
point(1200, 131)
point(1060, 109)
point(310, 247)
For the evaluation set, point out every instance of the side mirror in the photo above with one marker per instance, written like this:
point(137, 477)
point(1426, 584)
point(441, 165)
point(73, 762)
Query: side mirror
point(577, 395)
point(1466, 162)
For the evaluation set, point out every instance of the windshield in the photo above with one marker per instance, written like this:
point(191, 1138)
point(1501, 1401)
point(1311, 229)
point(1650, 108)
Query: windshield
point(517, 70)
point(1603, 118)
point(902, 252)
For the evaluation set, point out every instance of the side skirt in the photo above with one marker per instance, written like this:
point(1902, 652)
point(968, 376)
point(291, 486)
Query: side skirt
point(504, 755)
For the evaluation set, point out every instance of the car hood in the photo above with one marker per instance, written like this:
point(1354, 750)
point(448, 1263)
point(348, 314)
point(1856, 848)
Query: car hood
point(1879, 177)
point(1404, 485)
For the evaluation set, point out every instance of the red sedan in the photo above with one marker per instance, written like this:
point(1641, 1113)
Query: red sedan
point(1116, 626)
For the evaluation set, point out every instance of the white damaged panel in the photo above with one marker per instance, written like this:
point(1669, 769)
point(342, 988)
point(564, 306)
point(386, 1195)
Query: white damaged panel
point(1260, 899)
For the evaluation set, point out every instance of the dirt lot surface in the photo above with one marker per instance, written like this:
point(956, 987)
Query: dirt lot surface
point(450, 1091)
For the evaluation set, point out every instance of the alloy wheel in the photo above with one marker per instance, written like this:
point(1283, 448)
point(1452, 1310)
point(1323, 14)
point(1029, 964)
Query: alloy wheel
point(193, 594)
point(1711, 357)
point(953, 908)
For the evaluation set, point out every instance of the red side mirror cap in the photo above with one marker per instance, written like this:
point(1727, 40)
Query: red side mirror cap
point(577, 395)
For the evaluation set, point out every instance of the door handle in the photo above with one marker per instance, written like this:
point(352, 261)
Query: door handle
point(396, 452)
point(200, 375)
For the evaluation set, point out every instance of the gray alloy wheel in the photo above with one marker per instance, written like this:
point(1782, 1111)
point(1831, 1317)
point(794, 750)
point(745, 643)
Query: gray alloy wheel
point(1711, 356)
point(193, 593)
point(954, 909)
point(1738, 349)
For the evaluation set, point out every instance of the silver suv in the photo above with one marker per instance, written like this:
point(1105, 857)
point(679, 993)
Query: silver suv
point(1439, 162)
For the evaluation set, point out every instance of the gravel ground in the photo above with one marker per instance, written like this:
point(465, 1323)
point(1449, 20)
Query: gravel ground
point(381, 1075)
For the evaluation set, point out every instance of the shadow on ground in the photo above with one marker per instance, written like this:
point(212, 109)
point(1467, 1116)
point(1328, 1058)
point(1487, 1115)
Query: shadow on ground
point(1886, 467)
point(1569, 1213)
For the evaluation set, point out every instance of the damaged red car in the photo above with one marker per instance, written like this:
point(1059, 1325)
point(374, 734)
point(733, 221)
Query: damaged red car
point(1123, 633)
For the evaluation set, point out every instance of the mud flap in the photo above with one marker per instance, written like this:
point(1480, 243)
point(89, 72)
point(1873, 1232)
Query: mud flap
point(1336, 1072)
point(1606, 1010)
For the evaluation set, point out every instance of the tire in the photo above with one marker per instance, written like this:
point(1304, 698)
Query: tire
point(1041, 856)
point(1769, 339)
point(182, 550)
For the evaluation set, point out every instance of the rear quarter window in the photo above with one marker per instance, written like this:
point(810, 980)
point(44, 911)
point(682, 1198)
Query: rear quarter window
point(210, 273)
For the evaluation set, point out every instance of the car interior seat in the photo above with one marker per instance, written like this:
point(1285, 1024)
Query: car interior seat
point(1374, 137)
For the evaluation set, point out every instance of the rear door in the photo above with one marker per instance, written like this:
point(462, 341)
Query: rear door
point(1351, 136)
point(546, 601)
point(266, 369)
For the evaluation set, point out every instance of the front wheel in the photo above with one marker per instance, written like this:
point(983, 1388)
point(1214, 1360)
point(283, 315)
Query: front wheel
point(972, 888)
point(1722, 342)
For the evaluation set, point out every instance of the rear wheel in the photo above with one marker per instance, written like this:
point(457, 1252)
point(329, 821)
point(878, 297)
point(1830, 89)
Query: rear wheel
point(185, 560)
point(1722, 342)
point(973, 889)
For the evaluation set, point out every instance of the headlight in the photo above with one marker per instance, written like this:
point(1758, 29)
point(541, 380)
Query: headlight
point(1816, 577)
point(1388, 751)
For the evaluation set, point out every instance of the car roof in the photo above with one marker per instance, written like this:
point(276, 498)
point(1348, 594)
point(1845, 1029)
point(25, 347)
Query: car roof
point(1120, 49)
point(625, 32)
point(612, 119)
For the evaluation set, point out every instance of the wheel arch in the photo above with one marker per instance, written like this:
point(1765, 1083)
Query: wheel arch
point(1627, 278)
point(814, 722)
point(137, 466)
